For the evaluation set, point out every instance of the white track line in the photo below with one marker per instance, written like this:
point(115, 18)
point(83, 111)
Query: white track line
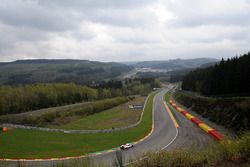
point(175, 134)
point(126, 164)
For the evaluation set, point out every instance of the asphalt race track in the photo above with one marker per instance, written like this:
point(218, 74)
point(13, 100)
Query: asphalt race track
point(165, 136)
point(164, 133)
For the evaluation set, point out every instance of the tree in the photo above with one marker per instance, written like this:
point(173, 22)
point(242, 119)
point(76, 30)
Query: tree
point(227, 77)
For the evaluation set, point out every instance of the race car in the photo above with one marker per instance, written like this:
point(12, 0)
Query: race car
point(126, 146)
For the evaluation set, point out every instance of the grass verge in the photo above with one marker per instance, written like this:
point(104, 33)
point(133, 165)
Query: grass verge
point(225, 154)
point(167, 98)
point(120, 116)
point(62, 115)
point(19, 143)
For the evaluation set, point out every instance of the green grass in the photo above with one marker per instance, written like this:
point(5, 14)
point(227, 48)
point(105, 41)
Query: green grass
point(64, 114)
point(19, 143)
point(116, 117)
point(225, 154)
point(167, 97)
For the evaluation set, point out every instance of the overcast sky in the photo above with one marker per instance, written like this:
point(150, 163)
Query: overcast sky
point(123, 30)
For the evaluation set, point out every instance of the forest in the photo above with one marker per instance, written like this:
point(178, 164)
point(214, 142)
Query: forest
point(22, 98)
point(230, 77)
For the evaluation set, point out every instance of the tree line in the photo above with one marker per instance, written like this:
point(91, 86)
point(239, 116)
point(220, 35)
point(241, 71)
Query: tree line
point(229, 77)
point(17, 99)
point(61, 116)
point(127, 87)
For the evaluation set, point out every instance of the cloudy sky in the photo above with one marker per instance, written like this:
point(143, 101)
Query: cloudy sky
point(123, 30)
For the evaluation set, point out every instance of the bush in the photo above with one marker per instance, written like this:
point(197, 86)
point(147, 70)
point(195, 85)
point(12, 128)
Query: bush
point(60, 116)
point(48, 117)
point(17, 99)
point(86, 110)
point(232, 113)
point(225, 154)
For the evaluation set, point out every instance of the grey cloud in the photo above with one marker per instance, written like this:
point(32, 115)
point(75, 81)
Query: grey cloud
point(123, 18)
point(138, 41)
point(95, 4)
point(227, 20)
point(86, 35)
point(200, 13)
point(130, 29)
point(111, 12)
point(26, 14)
point(65, 15)
point(11, 36)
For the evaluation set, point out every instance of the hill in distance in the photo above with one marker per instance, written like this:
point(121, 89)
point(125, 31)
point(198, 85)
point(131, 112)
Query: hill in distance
point(176, 64)
point(59, 70)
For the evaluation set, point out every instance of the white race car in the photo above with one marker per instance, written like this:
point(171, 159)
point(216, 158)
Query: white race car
point(126, 146)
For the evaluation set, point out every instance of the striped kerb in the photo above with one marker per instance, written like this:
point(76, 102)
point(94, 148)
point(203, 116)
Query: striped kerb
point(205, 127)
point(189, 116)
point(212, 132)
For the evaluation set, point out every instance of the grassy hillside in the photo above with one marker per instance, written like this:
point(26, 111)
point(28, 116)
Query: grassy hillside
point(119, 116)
point(51, 71)
point(58, 116)
point(36, 144)
point(176, 64)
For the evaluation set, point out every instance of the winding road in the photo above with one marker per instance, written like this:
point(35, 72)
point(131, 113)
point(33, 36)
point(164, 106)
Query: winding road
point(165, 136)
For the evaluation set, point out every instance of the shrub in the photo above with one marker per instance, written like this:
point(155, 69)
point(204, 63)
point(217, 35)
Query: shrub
point(60, 116)
point(226, 154)
point(232, 113)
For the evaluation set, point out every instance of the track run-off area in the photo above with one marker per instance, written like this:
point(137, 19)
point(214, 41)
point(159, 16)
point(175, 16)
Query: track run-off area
point(171, 130)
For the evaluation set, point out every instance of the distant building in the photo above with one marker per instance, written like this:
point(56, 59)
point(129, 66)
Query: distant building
point(136, 106)
point(130, 106)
